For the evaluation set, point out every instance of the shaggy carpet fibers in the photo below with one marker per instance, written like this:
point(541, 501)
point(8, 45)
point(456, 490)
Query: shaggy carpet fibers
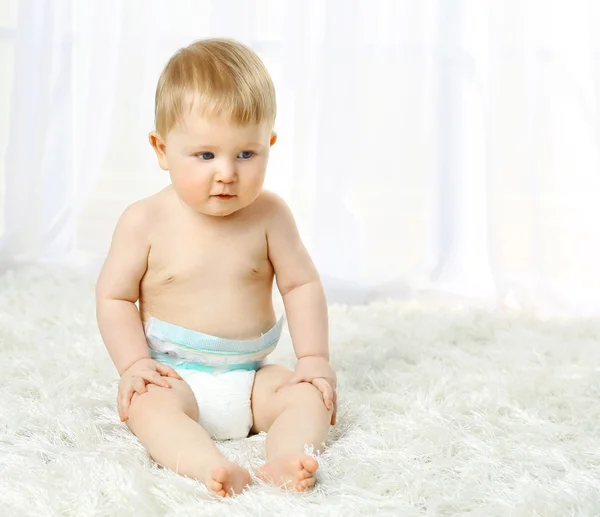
point(442, 412)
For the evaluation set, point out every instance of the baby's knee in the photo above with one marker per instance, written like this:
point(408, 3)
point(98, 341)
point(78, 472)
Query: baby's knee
point(143, 402)
point(160, 399)
point(305, 392)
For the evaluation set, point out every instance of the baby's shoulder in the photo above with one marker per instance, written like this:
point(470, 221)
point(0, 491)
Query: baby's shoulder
point(270, 204)
point(140, 216)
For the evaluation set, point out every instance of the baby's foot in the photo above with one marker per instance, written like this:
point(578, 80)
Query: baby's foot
point(297, 471)
point(227, 479)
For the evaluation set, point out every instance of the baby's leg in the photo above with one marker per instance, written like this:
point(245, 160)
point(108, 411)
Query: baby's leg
point(165, 421)
point(293, 417)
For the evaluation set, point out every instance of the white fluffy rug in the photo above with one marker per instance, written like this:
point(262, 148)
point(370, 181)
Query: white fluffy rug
point(443, 412)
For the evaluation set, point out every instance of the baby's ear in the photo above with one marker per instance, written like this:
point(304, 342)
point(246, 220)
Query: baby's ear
point(160, 148)
point(273, 138)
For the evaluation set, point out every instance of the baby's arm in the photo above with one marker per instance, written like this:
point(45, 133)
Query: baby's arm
point(118, 290)
point(119, 320)
point(304, 299)
point(299, 284)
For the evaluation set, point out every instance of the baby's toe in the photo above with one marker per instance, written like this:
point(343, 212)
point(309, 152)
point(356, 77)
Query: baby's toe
point(217, 489)
point(219, 475)
point(304, 474)
point(215, 486)
point(305, 484)
point(309, 464)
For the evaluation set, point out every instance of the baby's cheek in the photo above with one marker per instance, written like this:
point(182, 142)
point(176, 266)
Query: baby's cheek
point(192, 188)
point(256, 179)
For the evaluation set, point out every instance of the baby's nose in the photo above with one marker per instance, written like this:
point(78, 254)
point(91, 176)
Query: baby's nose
point(226, 173)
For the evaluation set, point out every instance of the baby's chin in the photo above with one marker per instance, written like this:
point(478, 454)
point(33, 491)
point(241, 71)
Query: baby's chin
point(214, 207)
point(221, 209)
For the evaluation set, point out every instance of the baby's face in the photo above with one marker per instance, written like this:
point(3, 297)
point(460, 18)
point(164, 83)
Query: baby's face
point(217, 167)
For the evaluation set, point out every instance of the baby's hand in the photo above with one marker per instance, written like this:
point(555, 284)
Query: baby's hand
point(134, 380)
point(320, 374)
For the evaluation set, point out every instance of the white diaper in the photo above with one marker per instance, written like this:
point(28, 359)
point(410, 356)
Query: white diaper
point(219, 371)
point(223, 401)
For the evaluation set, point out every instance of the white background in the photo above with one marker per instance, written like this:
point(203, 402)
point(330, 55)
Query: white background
point(425, 147)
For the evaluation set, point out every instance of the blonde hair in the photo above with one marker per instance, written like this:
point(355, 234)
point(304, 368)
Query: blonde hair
point(220, 77)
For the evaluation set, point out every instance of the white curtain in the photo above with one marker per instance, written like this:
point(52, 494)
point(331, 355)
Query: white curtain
point(428, 148)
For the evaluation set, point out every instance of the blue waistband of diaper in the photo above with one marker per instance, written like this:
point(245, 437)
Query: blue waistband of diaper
point(180, 347)
point(200, 367)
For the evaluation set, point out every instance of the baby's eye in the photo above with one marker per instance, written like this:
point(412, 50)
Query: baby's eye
point(244, 155)
point(206, 156)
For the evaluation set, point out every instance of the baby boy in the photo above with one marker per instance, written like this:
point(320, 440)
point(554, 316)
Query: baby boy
point(184, 299)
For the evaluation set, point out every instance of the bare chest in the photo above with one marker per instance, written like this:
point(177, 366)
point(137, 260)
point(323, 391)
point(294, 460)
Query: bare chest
point(209, 259)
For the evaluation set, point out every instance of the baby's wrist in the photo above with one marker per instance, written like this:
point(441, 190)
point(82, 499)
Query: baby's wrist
point(314, 357)
point(136, 364)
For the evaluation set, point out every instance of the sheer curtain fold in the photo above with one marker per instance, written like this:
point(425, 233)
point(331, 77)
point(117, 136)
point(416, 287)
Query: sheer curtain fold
point(426, 147)
point(35, 150)
point(63, 88)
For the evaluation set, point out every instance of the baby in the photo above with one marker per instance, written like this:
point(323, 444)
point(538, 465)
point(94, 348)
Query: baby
point(200, 257)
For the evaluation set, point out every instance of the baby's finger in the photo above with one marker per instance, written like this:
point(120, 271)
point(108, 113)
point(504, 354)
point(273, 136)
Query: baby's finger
point(154, 378)
point(335, 397)
point(293, 380)
point(120, 410)
point(124, 401)
point(138, 385)
point(325, 388)
point(167, 371)
point(335, 406)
